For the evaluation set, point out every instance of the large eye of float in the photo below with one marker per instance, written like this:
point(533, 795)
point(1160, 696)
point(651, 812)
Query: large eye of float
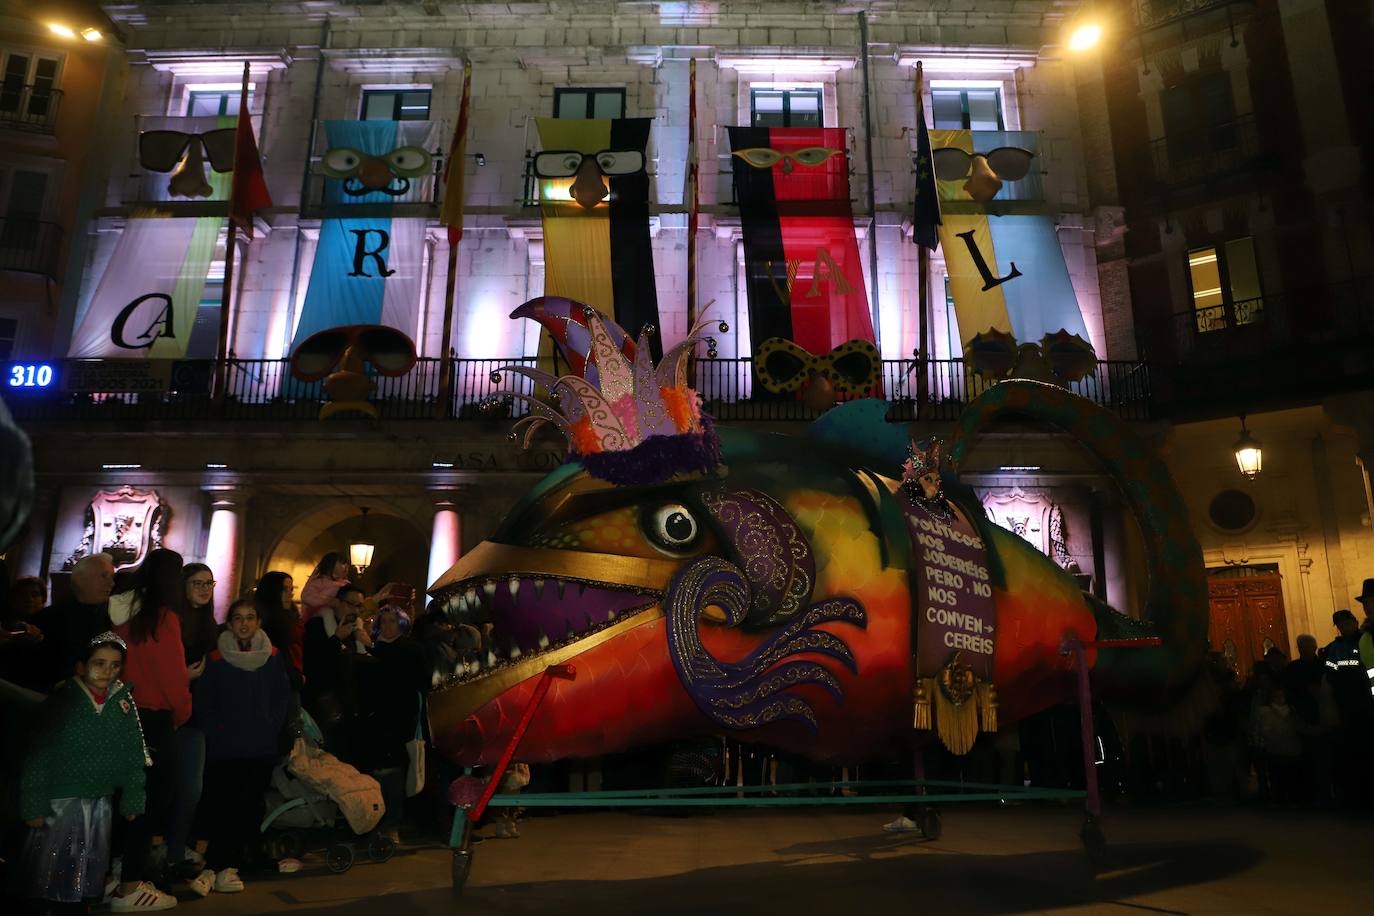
point(672, 528)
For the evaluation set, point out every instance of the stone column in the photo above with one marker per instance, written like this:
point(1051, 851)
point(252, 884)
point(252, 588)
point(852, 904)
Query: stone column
point(223, 546)
point(446, 541)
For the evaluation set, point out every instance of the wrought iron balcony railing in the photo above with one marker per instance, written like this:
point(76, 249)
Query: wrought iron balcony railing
point(265, 390)
point(1203, 155)
point(1305, 323)
point(29, 107)
point(30, 246)
point(1150, 14)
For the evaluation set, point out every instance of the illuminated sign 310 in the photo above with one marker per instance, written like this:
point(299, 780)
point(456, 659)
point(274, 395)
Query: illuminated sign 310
point(30, 375)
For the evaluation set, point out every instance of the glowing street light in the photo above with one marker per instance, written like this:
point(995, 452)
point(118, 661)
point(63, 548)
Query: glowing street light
point(91, 34)
point(60, 29)
point(1249, 455)
point(1085, 37)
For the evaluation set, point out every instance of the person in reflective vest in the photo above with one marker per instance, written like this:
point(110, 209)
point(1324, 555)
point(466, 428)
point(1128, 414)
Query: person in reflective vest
point(1354, 744)
point(1366, 643)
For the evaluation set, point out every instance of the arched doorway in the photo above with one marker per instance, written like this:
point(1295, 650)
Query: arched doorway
point(401, 542)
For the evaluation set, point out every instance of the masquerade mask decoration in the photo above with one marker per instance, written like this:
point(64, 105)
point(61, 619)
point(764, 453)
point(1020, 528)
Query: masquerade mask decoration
point(985, 171)
point(762, 157)
point(390, 352)
point(588, 171)
point(636, 424)
point(162, 150)
point(389, 174)
point(852, 368)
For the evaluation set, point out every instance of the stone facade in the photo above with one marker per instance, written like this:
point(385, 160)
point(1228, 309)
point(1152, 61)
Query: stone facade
point(249, 499)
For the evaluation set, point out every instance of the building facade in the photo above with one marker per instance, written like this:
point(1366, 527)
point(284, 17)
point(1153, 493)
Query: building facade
point(255, 481)
point(1243, 146)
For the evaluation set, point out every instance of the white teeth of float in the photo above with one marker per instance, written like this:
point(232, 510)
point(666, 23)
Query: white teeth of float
point(514, 653)
point(543, 640)
point(489, 589)
point(538, 587)
point(513, 583)
point(470, 599)
point(561, 586)
point(610, 615)
point(491, 659)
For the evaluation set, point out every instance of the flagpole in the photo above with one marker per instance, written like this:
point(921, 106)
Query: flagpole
point(692, 178)
point(922, 280)
point(453, 185)
point(227, 298)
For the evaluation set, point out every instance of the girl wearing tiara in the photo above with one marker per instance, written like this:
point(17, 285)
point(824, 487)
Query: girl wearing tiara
point(88, 746)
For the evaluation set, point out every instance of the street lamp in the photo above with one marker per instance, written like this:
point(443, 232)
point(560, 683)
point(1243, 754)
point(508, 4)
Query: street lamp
point(1249, 454)
point(1085, 37)
point(360, 548)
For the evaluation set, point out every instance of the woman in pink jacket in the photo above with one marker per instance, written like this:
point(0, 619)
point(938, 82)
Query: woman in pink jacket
point(155, 670)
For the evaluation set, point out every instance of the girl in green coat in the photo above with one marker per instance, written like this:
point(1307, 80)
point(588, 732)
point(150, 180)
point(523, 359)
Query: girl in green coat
point(88, 747)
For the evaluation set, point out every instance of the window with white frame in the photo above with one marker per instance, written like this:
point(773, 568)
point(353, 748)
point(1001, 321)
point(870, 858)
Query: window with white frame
point(966, 107)
point(786, 107)
point(409, 104)
point(28, 81)
point(210, 101)
point(594, 102)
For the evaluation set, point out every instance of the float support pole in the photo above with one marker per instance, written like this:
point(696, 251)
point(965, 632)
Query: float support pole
point(498, 772)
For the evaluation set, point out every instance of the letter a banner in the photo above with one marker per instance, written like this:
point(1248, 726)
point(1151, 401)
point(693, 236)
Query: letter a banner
point(367, 268)
point(805, 277)
point(145, 303)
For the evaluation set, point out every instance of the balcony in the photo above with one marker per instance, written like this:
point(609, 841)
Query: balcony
point(1153, 14)
point(30, 108)
point(30, 246)
point(264, 391)
point(1195, 158)
point(1290, 345)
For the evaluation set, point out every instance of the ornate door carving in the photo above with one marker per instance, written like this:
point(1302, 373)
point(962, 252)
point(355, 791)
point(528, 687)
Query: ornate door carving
point(1247, 619)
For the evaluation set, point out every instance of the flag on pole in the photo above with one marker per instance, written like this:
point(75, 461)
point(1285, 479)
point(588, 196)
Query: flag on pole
point(926, 217)
point(451, 214)
point(694, 198)
point(249, 191)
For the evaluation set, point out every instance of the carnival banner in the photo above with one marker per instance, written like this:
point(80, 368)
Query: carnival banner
point(145, 303)
point(367, 268)
point(805, 278)
point(594, 197)
point(1006, 271)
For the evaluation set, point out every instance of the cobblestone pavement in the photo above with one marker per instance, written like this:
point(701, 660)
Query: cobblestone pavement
point(1014, 860)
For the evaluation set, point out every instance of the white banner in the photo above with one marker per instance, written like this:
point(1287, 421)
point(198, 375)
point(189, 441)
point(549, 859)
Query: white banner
point(145, 304)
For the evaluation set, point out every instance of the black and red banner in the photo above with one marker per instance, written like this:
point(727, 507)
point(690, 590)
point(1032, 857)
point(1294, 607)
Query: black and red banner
point(803, 271)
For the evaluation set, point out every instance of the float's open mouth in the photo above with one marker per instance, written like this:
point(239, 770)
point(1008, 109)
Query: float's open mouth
point(525, 617)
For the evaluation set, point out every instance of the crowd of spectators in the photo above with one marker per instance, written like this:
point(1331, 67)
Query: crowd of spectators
point(143, 713)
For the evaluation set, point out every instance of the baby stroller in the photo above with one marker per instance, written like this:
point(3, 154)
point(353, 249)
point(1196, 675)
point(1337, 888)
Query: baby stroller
point(318, 802)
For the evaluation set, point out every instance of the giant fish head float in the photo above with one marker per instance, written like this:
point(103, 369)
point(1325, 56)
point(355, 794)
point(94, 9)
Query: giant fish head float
point(776, 587)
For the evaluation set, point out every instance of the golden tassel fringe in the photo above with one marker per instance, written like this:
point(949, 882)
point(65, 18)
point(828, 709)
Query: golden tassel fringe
point(925, 686)
point(956, 725)
point(987, 706)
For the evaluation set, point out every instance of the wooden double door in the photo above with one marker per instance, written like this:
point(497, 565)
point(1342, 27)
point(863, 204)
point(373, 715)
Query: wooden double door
point(1247, 618)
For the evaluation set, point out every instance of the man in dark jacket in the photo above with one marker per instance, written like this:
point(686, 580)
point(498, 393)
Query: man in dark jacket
point(241, 701)
point(334, 646)
point(69, 625)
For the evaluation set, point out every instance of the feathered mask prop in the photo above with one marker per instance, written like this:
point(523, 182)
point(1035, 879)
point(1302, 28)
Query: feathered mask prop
point(626, 420)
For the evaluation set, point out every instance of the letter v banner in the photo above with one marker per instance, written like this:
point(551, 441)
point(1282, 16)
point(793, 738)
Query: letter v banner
point(804, 275)
point(367, 268)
